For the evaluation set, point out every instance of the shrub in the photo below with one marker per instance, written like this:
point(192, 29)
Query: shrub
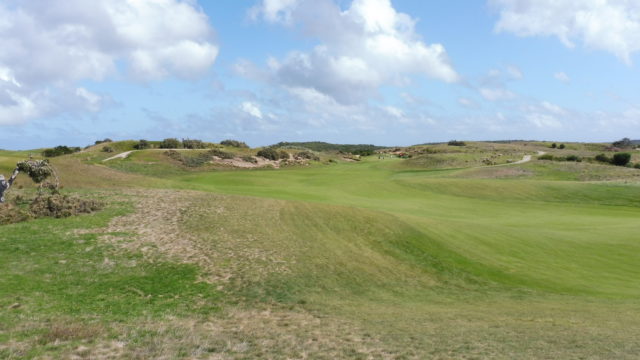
point(269, 153)
point(11, 214)
point(621, 159)
point(37, 170)
point(193, 144)
point(142, 144)
point(603, 158)
point(60, 150)
point(637, 166)
point(107, 149)
point(554, 145)
point(545, 157)
point(170, 143)
point(623, 143)
point(307, 155)
point(456, 143)
point(573, 158)
point(173, 154)
point(250, 159)
point(59, 206)
point(234, 143)
point(283, 155)
point(107, 140)
point(363, 152)
point(221, 154)
point(197, 160)
point(561, 146)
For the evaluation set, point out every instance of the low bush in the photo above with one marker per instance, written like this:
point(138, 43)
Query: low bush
point(545, 157)
point(621, 159)
point(561, 146)
point(107, 140)
point(107, 149)
point(308, 155)
point(456, 143)
point(193, 144)
point(283, 155)
point(59, 206)
point(11, 214)
point(554, 145)
point(173, 154)
point(234, 143)
point(637, 166)
point(574, 158)
point(269, 153)
point(623, 143)
point(142, 144)
point(250, 159)
point(221, 154)
point(197, 160)
point(170, 143)
point(603, 158)
point(59, 151)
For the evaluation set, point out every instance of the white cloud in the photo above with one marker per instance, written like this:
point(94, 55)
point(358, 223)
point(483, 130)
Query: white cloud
point(514, 72)
point(251, 109)
point(466, 102)
point(562, 77)
point(366, 46)
point(609, 25)
point(496, 94)
point(49, 45)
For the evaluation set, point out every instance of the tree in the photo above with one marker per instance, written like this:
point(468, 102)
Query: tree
point(170, 143)
point(142, 144)
point(621, 159)
point(561, 146)
point(38, 170)
point(234, 143)
point(623, 143)
point(554, 145)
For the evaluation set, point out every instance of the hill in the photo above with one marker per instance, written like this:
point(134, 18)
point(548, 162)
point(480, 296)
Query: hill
point(428, 251)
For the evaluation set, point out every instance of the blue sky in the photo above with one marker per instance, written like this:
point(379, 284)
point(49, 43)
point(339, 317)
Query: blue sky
point(350, 71)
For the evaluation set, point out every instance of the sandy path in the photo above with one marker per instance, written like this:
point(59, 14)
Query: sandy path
point(123, 155)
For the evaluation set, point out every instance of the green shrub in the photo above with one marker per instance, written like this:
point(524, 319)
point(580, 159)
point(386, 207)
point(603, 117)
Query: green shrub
point(561, 146)
point(221, 154)
point(174, 155)
point(142, 144)
point(107, 149)
point(603, 158)
point(623, 143)
point(234, 143)
point(637, 166)
point(283, 155)
point(269, 153)
point(621, 159)
point(573, 158)
point(170, 143)
point(107, 140)
point(456, 143)
point(554, 145)
point(60, 150)
point(193, 144)
point(249, 158)
point(197, 160)
point(545, 157)
point(308, 155)
point(59, 206)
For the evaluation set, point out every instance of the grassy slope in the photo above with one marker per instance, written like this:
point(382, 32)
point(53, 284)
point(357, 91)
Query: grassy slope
point(433, 263)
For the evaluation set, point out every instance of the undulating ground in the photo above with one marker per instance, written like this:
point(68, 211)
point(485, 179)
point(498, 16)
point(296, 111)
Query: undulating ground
point(437, 256)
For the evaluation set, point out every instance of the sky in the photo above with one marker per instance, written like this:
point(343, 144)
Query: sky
point(387, 72)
